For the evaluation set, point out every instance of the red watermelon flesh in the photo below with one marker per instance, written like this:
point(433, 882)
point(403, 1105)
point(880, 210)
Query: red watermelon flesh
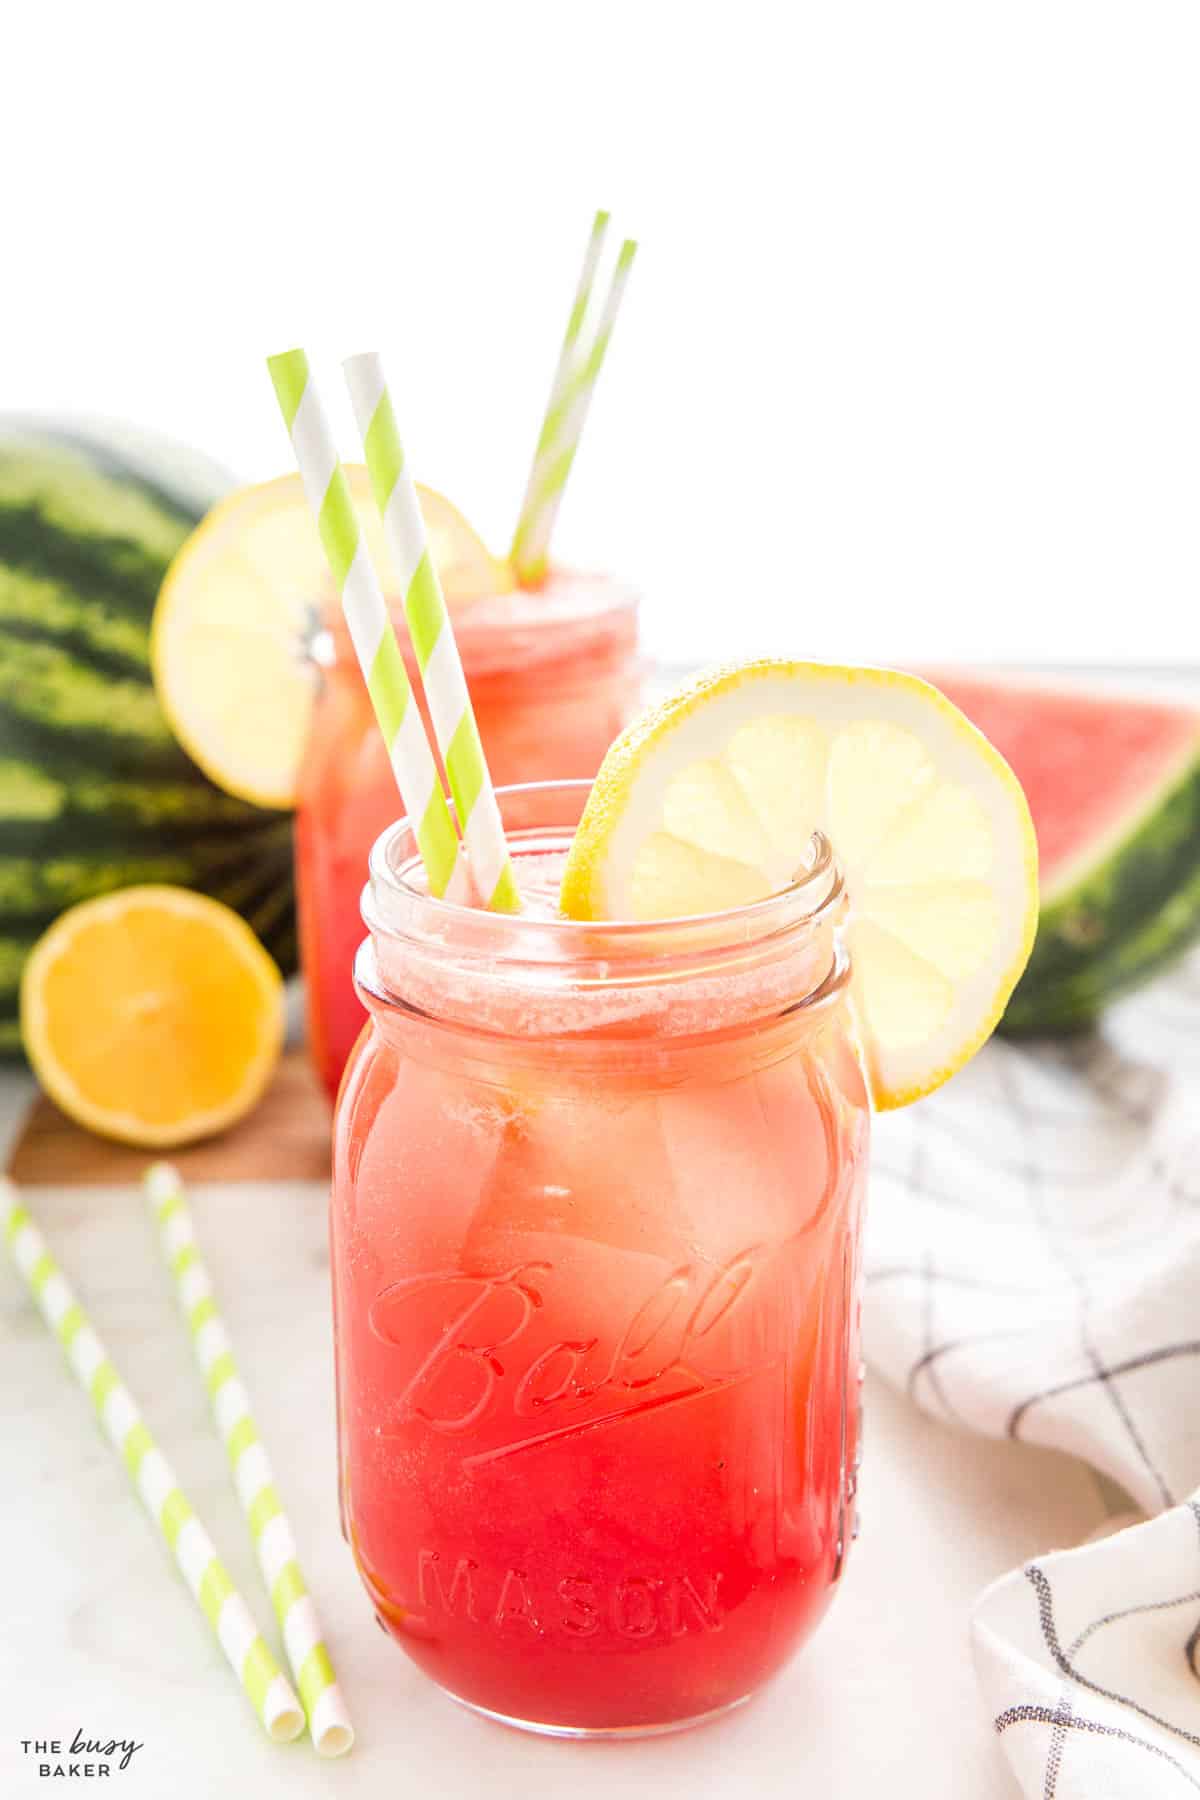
point(1091, 763)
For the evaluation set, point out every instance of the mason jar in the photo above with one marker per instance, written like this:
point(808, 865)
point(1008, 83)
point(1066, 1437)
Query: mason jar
point(596, 1220)
point(554, 677)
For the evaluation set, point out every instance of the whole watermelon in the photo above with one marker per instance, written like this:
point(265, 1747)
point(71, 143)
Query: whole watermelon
point(94, 792)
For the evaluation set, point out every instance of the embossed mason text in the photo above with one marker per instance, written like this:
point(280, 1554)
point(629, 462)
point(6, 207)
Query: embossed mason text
point(635, 1606)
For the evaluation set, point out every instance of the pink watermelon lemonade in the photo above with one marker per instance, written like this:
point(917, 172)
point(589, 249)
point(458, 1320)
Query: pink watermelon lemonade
point(553, 675)
point(595, 1239)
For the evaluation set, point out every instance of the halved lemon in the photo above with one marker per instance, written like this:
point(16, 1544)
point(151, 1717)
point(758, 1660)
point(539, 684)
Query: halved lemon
point(152, 1015)
point(236, 612)
point(710, 802)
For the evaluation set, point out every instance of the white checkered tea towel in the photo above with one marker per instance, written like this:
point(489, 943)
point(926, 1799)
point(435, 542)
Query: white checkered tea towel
point(1033, 1271)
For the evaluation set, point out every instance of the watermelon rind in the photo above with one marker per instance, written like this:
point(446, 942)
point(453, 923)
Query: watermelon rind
point(1133, 912)
point(95, 793)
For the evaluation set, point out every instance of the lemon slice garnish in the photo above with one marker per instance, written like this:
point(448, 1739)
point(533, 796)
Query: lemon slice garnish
point(229, 641)
point(711, 800)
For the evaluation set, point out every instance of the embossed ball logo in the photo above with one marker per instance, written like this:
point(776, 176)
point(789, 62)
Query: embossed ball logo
point(477, 1357)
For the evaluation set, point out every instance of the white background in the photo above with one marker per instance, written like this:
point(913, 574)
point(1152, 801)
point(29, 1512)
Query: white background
point(908, 366)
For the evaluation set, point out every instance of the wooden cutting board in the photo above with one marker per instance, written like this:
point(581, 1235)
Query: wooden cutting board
point(286, 1137)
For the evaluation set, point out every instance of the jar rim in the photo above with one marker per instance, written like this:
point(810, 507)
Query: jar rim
point(576, 612)
point(548, 976)
point(393, 901)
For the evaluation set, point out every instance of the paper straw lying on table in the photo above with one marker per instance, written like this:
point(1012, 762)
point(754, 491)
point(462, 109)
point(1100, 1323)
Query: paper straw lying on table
point(375, 645)
point(432, 637)
point(561, 430)
point(153, 1479)
point(328, 1719)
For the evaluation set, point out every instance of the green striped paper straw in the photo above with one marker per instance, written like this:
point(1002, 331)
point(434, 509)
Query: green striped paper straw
point(562, 428)
point(328, 1718)
point(371, 632)
point(151, 1475)
point(566, 361)
point(432, 636)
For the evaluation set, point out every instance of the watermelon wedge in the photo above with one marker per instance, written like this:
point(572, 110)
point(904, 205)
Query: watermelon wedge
point(1114, 788)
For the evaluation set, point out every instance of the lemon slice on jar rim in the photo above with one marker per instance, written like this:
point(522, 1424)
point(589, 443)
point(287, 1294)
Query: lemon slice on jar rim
point(227, 644)
point(711, 799)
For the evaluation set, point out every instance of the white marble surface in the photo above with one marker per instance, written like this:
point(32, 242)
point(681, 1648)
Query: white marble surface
point(99, 1633)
